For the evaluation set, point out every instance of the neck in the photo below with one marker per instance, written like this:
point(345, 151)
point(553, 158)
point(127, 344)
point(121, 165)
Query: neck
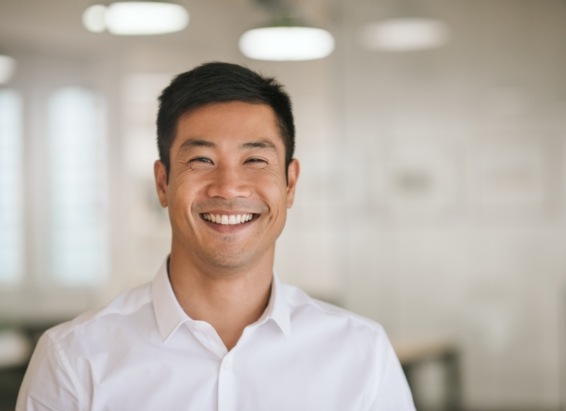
point(229, 300)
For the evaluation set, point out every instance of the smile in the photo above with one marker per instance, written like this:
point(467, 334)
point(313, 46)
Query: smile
point(224, 219)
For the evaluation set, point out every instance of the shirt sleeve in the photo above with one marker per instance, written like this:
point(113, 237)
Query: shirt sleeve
point(392, 391)
point(49, 383)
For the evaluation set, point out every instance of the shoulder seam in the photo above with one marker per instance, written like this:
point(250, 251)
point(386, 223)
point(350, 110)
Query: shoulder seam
point(62, 358)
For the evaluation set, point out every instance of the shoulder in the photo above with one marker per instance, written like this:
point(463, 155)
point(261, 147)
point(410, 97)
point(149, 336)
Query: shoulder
point(59, 371)
point(311, 311)
point(358, 346)
point(122, 308)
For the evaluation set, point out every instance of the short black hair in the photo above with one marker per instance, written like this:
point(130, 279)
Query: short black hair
point(219, 82)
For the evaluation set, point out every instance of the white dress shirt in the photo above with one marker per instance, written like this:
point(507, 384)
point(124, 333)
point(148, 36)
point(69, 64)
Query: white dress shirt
point(142, 352)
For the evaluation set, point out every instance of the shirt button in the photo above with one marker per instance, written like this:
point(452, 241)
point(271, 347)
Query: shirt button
point(226, 364)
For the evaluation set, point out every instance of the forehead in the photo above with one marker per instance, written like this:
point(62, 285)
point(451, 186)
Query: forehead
point(230, 121)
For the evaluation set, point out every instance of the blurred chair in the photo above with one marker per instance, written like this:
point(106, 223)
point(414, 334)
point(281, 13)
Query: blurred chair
point(415, 354)
point(15, 351)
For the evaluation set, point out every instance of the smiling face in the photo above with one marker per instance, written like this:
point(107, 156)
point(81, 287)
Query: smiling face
point(228, 190)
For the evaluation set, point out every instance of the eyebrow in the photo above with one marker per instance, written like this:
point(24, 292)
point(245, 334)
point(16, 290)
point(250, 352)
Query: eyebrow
point(262, 144)
point(197, 142)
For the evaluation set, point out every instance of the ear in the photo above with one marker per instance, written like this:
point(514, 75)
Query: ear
point(160, 174)
point(292, 177)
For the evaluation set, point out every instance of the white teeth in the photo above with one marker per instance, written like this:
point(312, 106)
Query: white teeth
point(228, 219)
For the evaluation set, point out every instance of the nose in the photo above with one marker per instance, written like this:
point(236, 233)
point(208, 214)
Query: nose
point(227, 183)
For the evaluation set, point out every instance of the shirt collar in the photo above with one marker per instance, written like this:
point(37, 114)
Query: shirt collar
point(278, 309)
point(170, 315)
point(168, 312)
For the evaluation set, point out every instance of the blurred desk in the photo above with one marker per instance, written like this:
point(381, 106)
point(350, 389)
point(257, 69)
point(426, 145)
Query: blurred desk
point(413, 354)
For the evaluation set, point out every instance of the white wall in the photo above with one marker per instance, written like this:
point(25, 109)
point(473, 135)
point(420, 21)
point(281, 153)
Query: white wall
point(454, 176)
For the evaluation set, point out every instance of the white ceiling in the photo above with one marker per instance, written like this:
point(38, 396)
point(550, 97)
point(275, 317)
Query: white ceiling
point(55, 25)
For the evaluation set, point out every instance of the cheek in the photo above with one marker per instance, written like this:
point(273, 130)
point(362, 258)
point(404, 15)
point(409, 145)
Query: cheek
point(181, 196)
point(277, 194)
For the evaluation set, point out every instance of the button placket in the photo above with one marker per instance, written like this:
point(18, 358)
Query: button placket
point(227, 364)
point(226, 384)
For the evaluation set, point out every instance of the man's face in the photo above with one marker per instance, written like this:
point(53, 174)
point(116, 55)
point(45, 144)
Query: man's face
point(227, 191)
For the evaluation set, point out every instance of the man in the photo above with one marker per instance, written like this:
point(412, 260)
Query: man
point(216, 330)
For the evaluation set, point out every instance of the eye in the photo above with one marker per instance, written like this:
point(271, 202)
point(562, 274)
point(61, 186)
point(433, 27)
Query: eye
point(256, 161)
point(200, 162)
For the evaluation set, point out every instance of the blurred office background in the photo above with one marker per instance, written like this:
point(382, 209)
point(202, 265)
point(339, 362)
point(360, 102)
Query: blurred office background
point(431, 199)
